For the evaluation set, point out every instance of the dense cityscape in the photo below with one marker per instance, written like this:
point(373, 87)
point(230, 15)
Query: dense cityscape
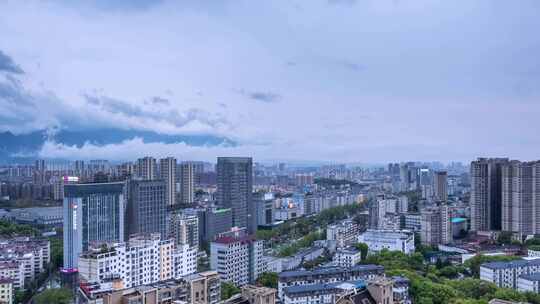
point(269, 152)
point(237, 231)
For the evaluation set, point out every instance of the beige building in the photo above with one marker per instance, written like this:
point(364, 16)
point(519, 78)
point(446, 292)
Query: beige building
point(6, 291)
point(381, 290)
point(259, 295)
point(436, 226)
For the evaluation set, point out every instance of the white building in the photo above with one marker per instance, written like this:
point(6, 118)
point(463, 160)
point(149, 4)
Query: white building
point(393, 240)
point(347, 257)
point(506, 274)
point(184, 260)
point(143, 260)
point(529, 282)
point(344, 233)
point(237, 257)
point(325, 293)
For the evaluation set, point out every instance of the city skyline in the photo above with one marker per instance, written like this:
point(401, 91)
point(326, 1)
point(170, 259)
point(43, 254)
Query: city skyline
point(337, 81)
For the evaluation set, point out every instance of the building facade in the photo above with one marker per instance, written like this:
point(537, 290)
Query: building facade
point(237, 257)
point(92, 213)
point(167, 173)
point(393, 240)
point(234, 189)
point(486, 193)
point(146, 209)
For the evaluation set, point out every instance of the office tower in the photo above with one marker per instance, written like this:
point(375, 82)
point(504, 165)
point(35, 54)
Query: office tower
point(520, 197)
point(486, 193)
point(40, 165)
point(146, 168)
point(167, 172)
point(146, 209)
point(92, 213)
point(264, 205)
point(187, 179)
point(440, 192)
point(404, 177)
point(79, 166)
point(234, 188)
point(424, 183)
point(214, 221)
point(237, 257)
point(184, 229)
point(436, 226)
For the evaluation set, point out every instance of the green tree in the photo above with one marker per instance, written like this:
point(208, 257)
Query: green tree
point(363, 247)
point(228, 290)
point(268, 279)
point(474, 263)
point(55, 295)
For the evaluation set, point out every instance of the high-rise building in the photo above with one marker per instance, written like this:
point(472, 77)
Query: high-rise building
point(404, 177)
point(92, 213)
point(214, 221)
point(521, 197)
point(237, 257)
point(436, 226)
point(146, 209)
point(146, 168)
point(440, 188)
point(184, 229)
point(187, 180)
point(486, 193)
point(167, 172)
point(234, 189)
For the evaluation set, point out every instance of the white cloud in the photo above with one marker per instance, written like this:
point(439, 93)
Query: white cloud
point(366, 81)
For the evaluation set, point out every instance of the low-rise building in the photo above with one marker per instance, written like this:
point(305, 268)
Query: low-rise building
point(506, 274)
point(321, 293)
point(327, 275)
point(347, 257)
point(259, 295)
point(33, 254)
point(529, 282)
point(201, 288)
point(393, 240)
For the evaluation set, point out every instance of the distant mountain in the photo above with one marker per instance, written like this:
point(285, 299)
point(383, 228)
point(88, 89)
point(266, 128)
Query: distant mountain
point(23, 148)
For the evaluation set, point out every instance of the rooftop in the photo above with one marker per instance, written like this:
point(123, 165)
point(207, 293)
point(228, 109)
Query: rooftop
point(300, 289)
point(329, 271)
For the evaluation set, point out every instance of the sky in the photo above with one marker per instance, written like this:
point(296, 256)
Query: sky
point(368, 81)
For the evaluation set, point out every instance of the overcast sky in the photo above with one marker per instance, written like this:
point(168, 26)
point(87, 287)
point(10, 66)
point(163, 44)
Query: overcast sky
point(325, 80)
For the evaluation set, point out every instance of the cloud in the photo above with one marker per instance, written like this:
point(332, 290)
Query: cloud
point(352, 66)
point(8, 65)
point(157, 101)
point(268, 97)
point(341, 2)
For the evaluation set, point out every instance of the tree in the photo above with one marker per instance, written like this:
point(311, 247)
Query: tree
point(474, 263)
point(228, 290)
point(55, 295)
point(268, 279)
point(363, 247)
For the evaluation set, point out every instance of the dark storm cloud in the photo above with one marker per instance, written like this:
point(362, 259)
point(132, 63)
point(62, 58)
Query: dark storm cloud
point(8, 65)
